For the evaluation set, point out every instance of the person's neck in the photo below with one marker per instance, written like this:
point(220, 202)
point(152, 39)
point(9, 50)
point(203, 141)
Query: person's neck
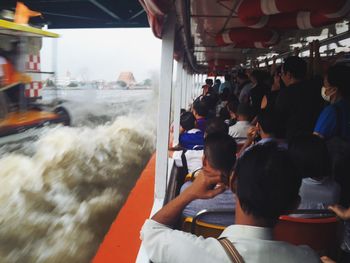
point(265, 135)
point(336, 98)
point(242, 119)
point(245, 219)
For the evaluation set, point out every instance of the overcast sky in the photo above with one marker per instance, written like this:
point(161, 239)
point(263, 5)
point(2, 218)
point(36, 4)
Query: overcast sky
point(103, 53)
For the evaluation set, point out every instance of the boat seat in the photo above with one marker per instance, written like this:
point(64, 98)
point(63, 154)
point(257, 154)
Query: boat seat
point(321, 234)
point(200, 228)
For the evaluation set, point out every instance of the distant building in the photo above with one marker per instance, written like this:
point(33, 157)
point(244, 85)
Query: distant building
point(128, 78)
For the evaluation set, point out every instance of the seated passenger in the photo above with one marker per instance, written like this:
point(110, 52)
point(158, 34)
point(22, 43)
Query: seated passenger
point(200, 111)
point(263, 132)
point(266, 187)
point(310, 155)
point(240, 129)
point(193, 158)
point(219, 158)
point(190, 137)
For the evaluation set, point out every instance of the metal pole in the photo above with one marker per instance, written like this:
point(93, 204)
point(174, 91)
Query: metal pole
point(164, 106)
point(177, 103)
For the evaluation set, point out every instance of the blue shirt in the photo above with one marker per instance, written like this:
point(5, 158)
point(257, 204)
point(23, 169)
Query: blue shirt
point(192, 138)
point(224, 85)
point(326, 124)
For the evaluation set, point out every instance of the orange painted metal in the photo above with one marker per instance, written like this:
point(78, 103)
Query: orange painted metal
point(122, 242)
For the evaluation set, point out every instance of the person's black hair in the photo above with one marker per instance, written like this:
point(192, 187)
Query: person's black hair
point(267, 121)
point(216, 125)
point(232, 106)
point(244, 109)
point(217, 81)
point(339, 76)
point(296, 66)
point(225, 94)
point(267, 183)
point(187, 120)
point(310, 156)
point(227, 77)
point(182, 111)
point(201, 107)
point(242, 75)
point(220, 150)
point(209, 82)
point(258, 75)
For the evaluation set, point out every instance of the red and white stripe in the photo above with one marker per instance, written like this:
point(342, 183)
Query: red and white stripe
point(248, 38)
point(300, 14)
point(34, 88)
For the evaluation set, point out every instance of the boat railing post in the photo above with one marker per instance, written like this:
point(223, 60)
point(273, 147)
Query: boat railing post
point(164, 106)
point(183, 89)
point(177, 103)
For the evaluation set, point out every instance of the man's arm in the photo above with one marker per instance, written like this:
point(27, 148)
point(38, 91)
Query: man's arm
point(204, 187)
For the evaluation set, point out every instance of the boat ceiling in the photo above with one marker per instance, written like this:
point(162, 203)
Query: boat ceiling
point(207, 19)
point(62, 14)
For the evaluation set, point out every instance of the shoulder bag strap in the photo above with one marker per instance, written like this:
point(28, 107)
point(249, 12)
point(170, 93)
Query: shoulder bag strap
point(231, 251)
point(184, 161)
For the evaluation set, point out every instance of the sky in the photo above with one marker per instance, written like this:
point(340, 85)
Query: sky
point(101, 54)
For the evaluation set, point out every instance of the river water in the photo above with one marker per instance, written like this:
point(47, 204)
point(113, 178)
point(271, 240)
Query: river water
point(62, 188)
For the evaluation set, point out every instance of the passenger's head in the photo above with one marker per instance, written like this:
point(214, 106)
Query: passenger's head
point(293, 70)
point(244, 112)
point(337, 83)
point(220, 153)
point(267, 123)
point(224, 96)
point(215, 125)
point(267, 184)
point(187, 121)
point(209, 82)
point(227, 77)
point(200, 109)
point(257, 76)
point(241, 77)
point(217, 81)
point(310, 156)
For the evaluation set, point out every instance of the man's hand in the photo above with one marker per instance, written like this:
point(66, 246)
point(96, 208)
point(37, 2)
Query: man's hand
point(340, 211)
point(252, 133)
point(207, 185)
point(325, 259)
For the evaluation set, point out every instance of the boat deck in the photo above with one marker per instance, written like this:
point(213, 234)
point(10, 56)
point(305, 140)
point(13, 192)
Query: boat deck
point(122, 242)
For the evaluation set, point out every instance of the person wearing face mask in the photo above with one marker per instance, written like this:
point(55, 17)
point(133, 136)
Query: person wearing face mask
point(334, 120)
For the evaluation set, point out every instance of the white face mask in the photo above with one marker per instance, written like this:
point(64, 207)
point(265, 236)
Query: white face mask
point(324, 96)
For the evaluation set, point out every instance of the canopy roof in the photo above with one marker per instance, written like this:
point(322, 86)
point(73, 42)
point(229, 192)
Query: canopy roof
point(84, 13)
point(220, 34)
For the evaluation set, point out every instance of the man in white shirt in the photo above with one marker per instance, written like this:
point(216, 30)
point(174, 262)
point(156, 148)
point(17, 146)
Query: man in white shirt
point(266, 186)
point(240, 129)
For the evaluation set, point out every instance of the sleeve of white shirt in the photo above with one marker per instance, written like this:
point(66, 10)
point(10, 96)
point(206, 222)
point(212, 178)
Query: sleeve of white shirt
point(164, 244)
point(177, 158)
point(2, 62)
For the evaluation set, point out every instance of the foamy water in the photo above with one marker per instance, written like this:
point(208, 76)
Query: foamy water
point(61, 192)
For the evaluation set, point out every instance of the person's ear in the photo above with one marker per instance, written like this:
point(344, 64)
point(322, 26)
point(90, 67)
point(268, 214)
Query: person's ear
point(232, 182)
point(204, 161)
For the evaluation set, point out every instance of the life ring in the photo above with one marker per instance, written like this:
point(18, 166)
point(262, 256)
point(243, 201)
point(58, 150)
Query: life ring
point(248, 38)
point(289, 14)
